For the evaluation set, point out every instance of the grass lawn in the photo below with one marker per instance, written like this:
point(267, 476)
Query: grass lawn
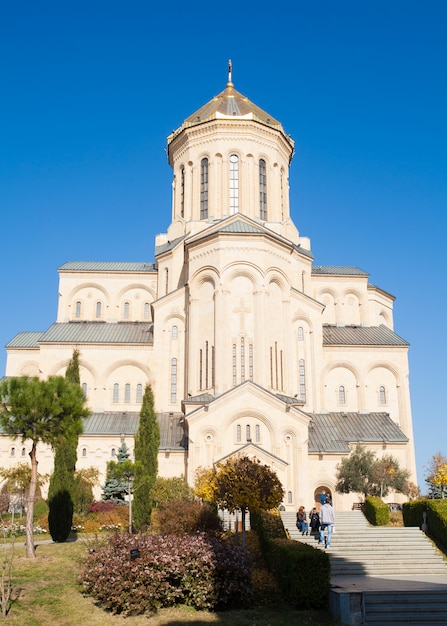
point(45, 591)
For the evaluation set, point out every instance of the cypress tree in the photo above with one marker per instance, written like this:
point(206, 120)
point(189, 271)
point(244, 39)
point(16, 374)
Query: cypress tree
point(61, 489)
point(147, 442)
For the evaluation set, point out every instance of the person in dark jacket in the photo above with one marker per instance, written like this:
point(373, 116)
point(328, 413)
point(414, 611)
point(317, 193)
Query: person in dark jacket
point(301, 521)
point(314, 521)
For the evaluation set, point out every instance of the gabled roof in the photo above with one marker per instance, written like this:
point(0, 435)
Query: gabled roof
point(25, 340)
point(361, 336)
point(169, 245)
point(241, 224)
point(99, 332)
point(172, 431)
point(333, 432)
point(338, 270)
point(106, 266)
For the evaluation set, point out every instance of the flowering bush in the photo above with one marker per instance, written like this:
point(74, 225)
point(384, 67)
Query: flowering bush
point(200, 571)
point(17, 530)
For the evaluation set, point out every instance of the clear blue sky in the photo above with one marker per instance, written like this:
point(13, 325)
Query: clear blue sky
point(89, 91)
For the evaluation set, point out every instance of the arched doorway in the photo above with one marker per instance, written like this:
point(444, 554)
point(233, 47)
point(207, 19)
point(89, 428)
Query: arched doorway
point(319, 492)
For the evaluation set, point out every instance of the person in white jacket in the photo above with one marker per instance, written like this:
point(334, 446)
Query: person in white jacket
point(327, 520)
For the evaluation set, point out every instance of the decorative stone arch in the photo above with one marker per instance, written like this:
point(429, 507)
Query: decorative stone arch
point(345, 365)
point(125, 363)
point(30, 368)
point(327, 487)
point(207, 274)
point(87, 285)
point(276, 277)
point(385, 317)
point(250, 414)
point(128, 288)
point(242, 270)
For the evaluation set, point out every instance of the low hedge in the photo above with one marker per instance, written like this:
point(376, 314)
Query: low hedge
point(413, 514)
point(302, 572)
point(376, 511)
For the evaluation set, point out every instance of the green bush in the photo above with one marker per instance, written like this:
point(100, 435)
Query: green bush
point(60, 516)
point(376, 511)
point(200, 571)
point(302, 572)
point(40, 508)
point(413, 513)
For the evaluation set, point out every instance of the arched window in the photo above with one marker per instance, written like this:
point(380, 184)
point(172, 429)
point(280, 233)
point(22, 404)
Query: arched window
point(127, 393)
point(257, 433)
point(98, 310)
point(234, 184)
point(300, 333)
point(173, 380)
point(248, 433)
point(382, 395)
point(341, 395)
point(113, 452)
point(238, 433)
point(23, 451)
point(182, 192)
point(204, 189)
point(289, 497)
point(147, 311)
point(84, 451)
point(166, 281)
point(139, 396)
point(174, 332)
point(13, 451)
point(78, 309)
point(126, 310)
point(84, 389)
point(116, 392)
point(234, 366)
point(262, 190)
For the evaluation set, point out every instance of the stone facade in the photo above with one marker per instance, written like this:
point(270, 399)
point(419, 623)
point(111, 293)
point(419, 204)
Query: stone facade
point(248, 345)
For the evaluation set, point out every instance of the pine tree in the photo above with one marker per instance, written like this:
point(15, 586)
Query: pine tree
point(147, 442)
point(61, 489)
point(116, 486)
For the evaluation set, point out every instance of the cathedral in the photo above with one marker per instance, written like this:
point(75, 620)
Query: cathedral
point(249, 346)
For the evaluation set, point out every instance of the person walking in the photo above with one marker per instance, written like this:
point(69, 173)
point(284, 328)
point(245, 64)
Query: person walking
point(301, 521)
point(327, 520)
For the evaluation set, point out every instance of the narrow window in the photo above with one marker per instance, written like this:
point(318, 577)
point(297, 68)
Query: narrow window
point(276, 365)
point(300, 333)
point(262, 190)
point(204, 189)
point(126, 310)
point(173, 380)
point(13, 451)
point(146, 311)
point(382, 395)
point(78, 309)
point(289, 497)
point(200, 369)
point(98, 310)
point(84, 451)
point(174, 332)
point(302, 373)
point(127, 393)
point(234, 366)
point(212, 367)
point(281, 369)
point(250, 362)
point(234, 184)
point(257, 433)
point(84, 389)
point(23, 451)
point(238, 433)
point(113, 452)
point(182, 192)
point(248, 433)
point(116, 392)
point(242, 359)
point(139, 396)
point(282, 193)
point(166, 281)
point(341, 395)
point(271, 367)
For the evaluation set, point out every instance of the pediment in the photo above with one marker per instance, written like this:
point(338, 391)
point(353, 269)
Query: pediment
point(253, 451)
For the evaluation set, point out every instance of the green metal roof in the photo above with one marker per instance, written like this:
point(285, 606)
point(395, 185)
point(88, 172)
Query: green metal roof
point(361, 336)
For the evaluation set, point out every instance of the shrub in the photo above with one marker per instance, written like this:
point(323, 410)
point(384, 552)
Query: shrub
point(40, 508)
point(413, 513)
point(60, 516)
point(182, 517)
point(200, 571)
point(376, 511)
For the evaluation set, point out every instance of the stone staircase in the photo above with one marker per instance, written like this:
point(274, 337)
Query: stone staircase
point(383, 570)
